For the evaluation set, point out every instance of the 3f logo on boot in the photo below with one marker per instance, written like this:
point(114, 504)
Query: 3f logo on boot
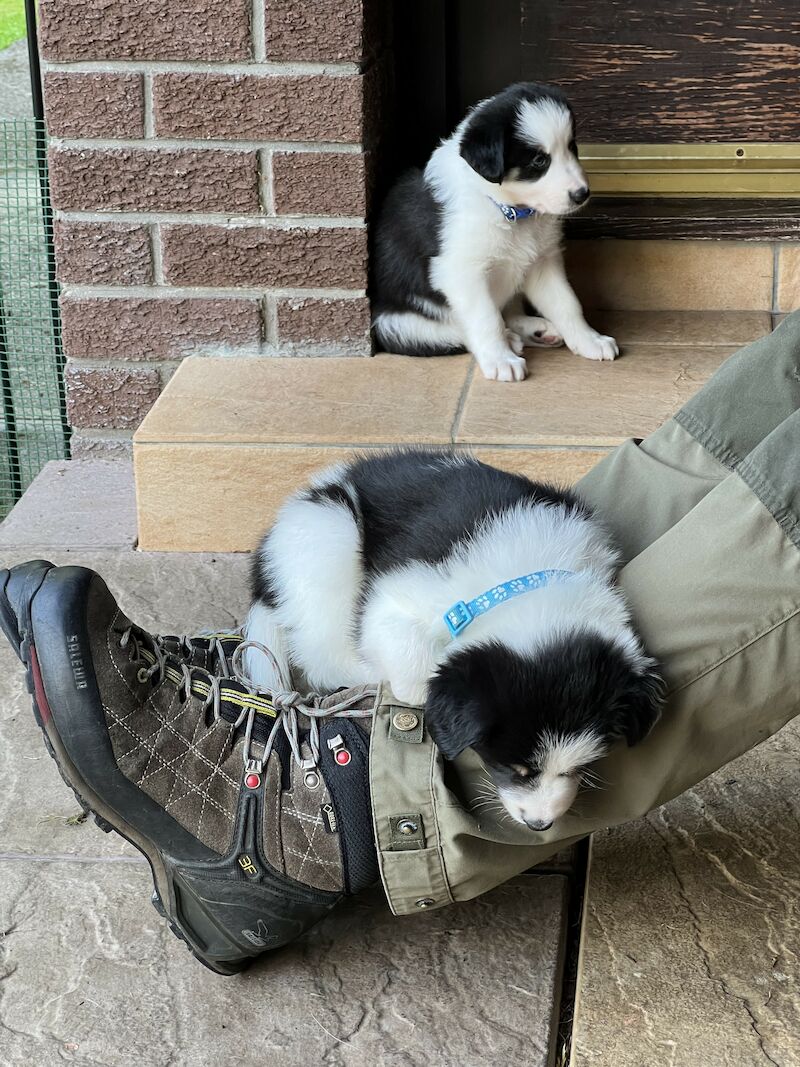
point(248, 866)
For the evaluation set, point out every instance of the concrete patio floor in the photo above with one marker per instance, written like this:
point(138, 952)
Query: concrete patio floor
point(89, 973)
point(689, 950)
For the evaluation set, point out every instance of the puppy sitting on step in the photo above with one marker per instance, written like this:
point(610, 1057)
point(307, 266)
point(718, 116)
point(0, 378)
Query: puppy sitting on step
point(462, 252)
point(483, 596)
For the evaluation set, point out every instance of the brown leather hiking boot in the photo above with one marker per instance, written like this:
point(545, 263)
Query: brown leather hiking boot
point(251, 807)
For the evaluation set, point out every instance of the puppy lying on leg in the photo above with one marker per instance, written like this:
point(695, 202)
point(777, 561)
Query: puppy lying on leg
point(453, 246)
point(483, 596)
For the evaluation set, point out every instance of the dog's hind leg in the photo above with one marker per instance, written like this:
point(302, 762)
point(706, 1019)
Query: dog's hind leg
point(312, 556)
point(535, 331)
point(411, 334)
point(521, 317)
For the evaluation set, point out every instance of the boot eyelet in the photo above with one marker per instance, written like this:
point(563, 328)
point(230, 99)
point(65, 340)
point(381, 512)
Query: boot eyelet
point(311, 780)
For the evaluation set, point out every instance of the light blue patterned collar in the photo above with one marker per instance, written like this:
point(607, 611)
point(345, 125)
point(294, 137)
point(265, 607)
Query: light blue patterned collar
point(513, 214)
point(460, 615)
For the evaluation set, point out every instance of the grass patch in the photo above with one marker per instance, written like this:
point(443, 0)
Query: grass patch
point(12, 21)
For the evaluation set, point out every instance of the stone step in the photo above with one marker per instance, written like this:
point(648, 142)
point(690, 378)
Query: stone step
point(230, 437)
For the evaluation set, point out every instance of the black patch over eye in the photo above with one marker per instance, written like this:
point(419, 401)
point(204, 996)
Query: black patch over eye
point(535, 167)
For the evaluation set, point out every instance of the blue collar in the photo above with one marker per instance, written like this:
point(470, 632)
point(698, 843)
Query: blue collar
point(460, 615)
point(514, 214)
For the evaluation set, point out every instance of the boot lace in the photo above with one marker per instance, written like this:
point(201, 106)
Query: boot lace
point(285, 703)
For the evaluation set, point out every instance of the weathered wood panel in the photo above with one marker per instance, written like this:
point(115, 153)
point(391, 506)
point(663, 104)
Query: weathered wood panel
point(689, 218)
point(655, 71)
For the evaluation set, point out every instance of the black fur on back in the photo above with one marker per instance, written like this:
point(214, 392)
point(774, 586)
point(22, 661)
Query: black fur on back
point(416, 504)
point(404, 239)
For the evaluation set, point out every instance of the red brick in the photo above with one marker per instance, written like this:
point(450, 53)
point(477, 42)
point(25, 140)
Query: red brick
point(145, 179)
point(103, 253)
point(307, 320)
point(319, 183)
point(323, 31)
point(94, 105)
point(111, 398)
point(168, 328)
point(302, 107)
point(159, 29)
point(259, 256)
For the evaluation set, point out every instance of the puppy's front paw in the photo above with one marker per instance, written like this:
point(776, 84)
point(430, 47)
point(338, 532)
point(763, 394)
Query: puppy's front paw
point(594, 345)
point(504, 368)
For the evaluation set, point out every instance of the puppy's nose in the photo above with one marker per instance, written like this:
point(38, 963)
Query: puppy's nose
point(579, 196)
point(537, 824)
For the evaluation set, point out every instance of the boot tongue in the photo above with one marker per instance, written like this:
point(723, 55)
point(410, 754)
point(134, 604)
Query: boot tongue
point(212, 652)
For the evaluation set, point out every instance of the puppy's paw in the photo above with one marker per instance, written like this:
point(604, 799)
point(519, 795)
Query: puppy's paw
point(534, 330)
point(504, 368)
point(515, 342)
point(594, 345)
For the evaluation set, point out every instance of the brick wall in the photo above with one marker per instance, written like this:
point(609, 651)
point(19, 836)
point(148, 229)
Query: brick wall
point(210, 175)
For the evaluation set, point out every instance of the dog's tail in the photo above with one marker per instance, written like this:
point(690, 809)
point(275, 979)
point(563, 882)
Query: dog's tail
point(407, 333)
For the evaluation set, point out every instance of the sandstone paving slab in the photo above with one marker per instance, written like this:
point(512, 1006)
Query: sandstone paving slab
point(682, 327)
point(78, 504)
point(691, 942)
point(90, 975)
point(167, 593)
point(567, 400)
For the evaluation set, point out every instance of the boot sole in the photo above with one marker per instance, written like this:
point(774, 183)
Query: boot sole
point(164, 897)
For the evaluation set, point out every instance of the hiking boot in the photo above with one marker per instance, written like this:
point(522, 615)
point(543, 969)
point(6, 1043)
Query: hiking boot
point(251, 807)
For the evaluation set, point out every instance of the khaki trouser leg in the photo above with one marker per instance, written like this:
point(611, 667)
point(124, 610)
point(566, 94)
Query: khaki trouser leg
point(715, 589)
point(642, 489)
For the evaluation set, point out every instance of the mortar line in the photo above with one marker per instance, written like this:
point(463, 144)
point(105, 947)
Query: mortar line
point(177, 66)
point(157, 253)
point(269, 310)
point(182, 292)
point(149, 110)
point(231, 220)
point(130, 364)
point(84, 144)
point(258, 31)
point(266, 192)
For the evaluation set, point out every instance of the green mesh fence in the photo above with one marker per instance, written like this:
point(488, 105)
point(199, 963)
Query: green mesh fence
point(33, 428)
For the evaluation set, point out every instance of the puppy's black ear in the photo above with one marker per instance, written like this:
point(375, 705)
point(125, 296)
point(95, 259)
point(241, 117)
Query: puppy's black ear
point(640, 707)
point(454, 715)
point(483, 147)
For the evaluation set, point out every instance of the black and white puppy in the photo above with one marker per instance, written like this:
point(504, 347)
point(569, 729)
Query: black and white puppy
point(352, 583)
point(460, 250)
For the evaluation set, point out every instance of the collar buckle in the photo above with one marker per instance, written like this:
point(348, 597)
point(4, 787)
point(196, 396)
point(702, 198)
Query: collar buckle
point(458, 618)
